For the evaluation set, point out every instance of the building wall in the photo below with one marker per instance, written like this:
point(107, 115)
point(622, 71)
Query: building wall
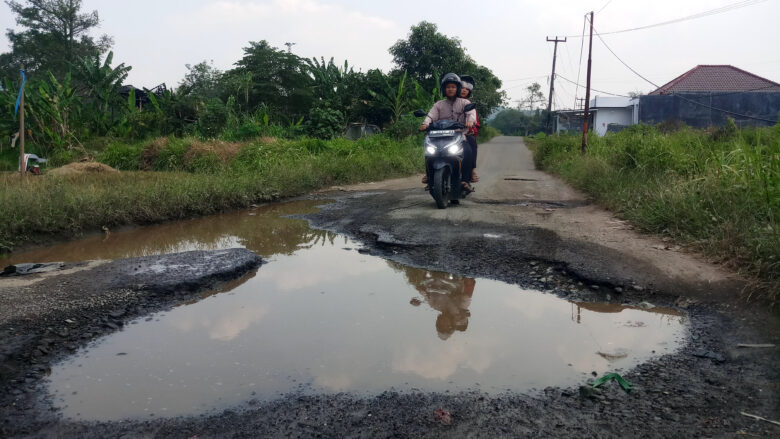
point(701, 110)
point(606, 116)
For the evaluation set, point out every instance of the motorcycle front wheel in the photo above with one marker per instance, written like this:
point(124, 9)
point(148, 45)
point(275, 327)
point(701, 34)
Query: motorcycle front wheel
point(440, 190)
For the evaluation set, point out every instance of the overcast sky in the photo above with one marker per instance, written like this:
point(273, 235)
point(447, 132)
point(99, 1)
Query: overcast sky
point(157, 38)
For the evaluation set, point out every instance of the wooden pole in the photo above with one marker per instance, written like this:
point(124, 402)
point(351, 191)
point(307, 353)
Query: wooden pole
point(22, 164)
point(587, 92)
point(552, 83)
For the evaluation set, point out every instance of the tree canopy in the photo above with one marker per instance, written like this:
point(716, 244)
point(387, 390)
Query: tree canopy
point(426, 53)
point(56, 34)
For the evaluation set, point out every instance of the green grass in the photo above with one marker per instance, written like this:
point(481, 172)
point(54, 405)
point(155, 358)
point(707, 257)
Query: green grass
point(718, 191)
point(39, 207)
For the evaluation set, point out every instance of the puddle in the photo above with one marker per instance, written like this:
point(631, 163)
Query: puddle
point(262, 230)
point(323, 317)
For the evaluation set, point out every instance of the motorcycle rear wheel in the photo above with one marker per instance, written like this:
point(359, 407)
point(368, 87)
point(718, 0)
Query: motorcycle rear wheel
point(440, 190)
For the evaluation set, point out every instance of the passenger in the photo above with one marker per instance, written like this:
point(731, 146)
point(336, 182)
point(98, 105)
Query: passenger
point(453, 108)
point(471, 135)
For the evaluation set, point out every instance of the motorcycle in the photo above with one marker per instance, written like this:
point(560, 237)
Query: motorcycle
point(444, 142)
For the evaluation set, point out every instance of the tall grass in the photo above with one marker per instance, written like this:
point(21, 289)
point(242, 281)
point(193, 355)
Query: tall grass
point(718, 191)
point(38, 207)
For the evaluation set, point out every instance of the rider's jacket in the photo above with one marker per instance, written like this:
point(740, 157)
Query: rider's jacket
point(452, 109)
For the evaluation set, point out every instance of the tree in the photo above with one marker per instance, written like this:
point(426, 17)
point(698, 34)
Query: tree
point(280, 80)
point(202, 81)
point(100, 84)
point(533, 97)
point(514, 122)
point(426, 53)
point(56, 33)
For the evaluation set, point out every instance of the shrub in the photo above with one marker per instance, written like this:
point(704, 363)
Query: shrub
point(121, 156)
point(212, 118)
point(324, 123)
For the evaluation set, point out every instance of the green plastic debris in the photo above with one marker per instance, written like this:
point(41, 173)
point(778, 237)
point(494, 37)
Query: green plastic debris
point(614, 376)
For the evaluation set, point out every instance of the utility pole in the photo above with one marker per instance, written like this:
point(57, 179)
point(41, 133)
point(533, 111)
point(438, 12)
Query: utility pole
point(22, 164)
point(552, 81)
point(587, 92)
point(289, 46)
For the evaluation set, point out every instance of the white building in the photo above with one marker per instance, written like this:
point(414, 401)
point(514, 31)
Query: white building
point(617, 112)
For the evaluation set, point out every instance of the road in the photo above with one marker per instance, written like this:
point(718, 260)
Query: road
point(591, 241)
point(518, 221)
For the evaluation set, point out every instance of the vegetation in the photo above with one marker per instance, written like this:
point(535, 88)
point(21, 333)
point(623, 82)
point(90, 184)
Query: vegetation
point(73, 94)
point(267, 128)
point(222, 176)
point(717, 190)
point(514, 122)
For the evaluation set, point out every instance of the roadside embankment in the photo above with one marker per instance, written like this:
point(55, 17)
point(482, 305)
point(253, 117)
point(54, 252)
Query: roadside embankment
point(193, 178)
point(716, 191)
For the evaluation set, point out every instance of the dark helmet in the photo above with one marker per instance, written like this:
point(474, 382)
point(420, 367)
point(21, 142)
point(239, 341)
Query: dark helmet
point(450, 78)
point(468, 83)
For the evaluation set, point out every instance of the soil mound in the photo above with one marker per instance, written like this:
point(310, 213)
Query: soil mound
point(82, 168)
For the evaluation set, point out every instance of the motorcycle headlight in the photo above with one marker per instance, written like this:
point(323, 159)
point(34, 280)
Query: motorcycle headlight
point(430, 150)
point(454, 148)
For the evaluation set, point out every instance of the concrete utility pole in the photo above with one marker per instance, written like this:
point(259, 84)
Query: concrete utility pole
point(552, 82)
point(22, 164)
point(587, 92)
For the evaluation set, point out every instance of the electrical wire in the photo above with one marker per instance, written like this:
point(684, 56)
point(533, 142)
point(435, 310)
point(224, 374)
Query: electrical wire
point(680, 96)
point(579, 66)
point(602, 8)
point(623, 62)
point(594, 89)
point(720, 10)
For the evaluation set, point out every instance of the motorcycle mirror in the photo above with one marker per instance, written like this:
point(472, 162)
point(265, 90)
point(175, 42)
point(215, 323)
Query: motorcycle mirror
point(419, 113)
point(470, 107)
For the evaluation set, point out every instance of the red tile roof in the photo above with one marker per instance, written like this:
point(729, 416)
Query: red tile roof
point(708, 78)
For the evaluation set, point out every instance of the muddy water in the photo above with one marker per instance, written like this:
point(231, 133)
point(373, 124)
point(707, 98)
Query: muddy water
point(323, 317)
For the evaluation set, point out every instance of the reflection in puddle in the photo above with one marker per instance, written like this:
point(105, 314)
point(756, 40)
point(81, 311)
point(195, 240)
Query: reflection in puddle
point(262, 230)
point(322, 317)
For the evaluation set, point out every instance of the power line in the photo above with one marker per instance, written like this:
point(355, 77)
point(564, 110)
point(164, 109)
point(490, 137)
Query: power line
point(680, 96)
point(594, 89)
point(623, 62)
point(579, 66)
point(727, 8)
point(602, 8)
point(528, 77)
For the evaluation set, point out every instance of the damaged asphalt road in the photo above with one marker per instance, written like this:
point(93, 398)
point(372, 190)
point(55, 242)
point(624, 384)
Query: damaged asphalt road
point(521, 227)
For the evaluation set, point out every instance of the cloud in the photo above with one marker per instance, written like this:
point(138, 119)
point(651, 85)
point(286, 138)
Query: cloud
point(317, 28)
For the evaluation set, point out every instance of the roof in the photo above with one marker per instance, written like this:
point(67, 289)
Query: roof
point(610, 102)
point(709, 78)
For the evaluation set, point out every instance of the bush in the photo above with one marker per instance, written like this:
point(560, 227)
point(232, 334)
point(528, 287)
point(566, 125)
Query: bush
point(324, 123)
point(121, 156)
point(487, 132)
point(212, 118)
point(407, 125)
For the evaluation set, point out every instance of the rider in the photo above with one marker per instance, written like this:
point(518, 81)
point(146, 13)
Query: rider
point(453, 108)
point(471, 135)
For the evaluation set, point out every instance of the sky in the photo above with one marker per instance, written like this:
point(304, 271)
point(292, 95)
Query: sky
point(158, 38)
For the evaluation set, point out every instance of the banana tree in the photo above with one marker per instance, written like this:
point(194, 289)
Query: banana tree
point(100, 82)
point(52, 110)
point(392, 98)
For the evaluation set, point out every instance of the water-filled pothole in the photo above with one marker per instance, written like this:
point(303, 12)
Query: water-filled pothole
point(323, 317)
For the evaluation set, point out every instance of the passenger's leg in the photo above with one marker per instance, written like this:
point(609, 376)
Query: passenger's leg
point(473, 143)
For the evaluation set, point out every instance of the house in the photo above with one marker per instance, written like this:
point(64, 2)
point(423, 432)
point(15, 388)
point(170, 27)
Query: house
point(708, 94)
point(613, 113)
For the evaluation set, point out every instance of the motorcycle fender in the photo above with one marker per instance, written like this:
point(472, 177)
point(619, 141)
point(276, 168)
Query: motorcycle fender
point(440, 164)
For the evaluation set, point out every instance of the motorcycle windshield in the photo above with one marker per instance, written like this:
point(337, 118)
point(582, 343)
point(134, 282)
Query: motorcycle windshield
point(446, 124)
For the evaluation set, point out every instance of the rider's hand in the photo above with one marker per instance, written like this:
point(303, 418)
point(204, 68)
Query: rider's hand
point(469, 124)
point(423, 127)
